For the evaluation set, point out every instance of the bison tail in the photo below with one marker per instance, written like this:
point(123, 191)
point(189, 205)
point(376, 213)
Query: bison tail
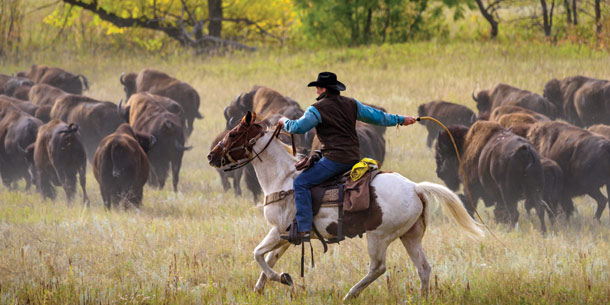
point(181, 147)
point(198, 115)
point(452, 205)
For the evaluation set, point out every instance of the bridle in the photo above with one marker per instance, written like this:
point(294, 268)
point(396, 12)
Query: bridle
point(248, 147)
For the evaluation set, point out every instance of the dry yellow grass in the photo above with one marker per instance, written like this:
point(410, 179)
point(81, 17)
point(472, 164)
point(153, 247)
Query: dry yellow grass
point(195, 246)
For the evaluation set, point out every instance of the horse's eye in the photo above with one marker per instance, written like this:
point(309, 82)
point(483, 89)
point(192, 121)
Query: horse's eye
point(231, 136)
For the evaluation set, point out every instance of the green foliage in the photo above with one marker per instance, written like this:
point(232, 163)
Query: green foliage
point(356, 22)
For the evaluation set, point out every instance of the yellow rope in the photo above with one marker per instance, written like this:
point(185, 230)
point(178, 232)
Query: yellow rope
point(463, 173)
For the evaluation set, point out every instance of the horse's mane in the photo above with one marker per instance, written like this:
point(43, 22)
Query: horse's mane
point(270, 129)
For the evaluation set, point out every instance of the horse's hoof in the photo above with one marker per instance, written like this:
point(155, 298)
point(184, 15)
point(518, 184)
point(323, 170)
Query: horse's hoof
point(286, 279)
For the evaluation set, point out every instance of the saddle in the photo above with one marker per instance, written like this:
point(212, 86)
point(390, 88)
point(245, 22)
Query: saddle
point(346, 195)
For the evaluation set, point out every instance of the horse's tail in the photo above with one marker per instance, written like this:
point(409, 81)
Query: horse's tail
point(451, 205)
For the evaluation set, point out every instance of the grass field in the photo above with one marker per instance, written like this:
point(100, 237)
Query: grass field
point(196, 246)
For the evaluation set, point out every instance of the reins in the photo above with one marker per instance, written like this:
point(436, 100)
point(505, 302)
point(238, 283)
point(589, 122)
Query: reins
point(465, 178)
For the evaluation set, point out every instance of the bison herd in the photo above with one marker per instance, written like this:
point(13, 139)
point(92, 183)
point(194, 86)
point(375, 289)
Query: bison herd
point(544, 149)
point(48, 131)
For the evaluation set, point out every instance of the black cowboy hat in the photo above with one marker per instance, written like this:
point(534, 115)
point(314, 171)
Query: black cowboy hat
point(328, 80)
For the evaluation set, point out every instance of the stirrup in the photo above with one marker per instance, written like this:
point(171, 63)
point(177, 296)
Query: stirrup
point(301, 237)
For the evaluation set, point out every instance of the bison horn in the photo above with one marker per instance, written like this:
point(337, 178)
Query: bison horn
point(182, 147)
point(121, 79)
point(153, 140)
point(474, 97)
point(119, 109)
point(225, 112)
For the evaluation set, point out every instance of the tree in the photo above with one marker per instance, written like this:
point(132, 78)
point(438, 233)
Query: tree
point(547, 17)
point(598, 17)
point(183, 21)
point(490, 13)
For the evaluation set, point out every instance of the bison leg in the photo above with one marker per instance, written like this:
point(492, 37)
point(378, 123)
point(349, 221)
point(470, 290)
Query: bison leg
point(252, 182)
point(601, 202)
point(176, 165)
point(44, 183)
point(69, 184)
point(107, 198)
point(83, 181)
point(224, 179)
point(237, 181)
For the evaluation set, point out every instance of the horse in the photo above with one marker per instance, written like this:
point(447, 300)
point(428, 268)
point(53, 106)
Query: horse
point(401, 205)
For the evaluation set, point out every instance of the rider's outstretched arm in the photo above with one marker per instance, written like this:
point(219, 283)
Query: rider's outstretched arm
point(375, 116)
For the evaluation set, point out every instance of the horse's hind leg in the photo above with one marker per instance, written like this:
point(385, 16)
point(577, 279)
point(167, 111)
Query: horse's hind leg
point(271, 259)
point(377, 246)
point(412, 242)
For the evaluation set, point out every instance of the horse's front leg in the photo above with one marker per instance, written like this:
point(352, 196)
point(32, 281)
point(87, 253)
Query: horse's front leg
point(271, 242)
point(271, 259)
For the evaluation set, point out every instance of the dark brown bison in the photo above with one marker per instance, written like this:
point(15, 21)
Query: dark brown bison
point(584, 158)
point(41, 113)
point(553, 184)
point(508, 109)
point(269, 105)
point(147, 115)
point(45, 95)
point(561, 93)
point(167, 103)
point(592, 103)
point(447, 113)
point(601, 129)
point(17, 131)
point(96, 119)
point(17, 87)
point(502, 94)
point(66, 81)
point(59, 156)
point(159, 83)
point(121, 167)
point(501, 168)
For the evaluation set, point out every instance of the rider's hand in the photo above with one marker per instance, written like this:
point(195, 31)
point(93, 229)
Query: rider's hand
point(282, 120)
point(408, 120)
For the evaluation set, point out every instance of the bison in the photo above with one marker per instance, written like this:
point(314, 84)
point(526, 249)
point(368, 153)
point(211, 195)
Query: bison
point(96, 119)
point(553, 184)
point(147, 115)
point(66, 81)
point(592, 103)
point(167, 103)
point(59, 156)
point(561, 93)
point(17, 131)
point(447, 113)
point(601, 129)
point(500, 167)
point(271, 106)
point(121, 167)
point(159, 83)
point(502, 94)
point(584, 158)
point(45, 95)
point(17, 87)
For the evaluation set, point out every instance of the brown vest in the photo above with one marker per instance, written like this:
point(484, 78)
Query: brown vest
point(337, 132)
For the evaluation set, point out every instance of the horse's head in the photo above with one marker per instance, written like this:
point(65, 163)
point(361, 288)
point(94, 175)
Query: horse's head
point(237, 144)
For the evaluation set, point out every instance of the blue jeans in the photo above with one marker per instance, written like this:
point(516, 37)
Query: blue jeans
point(317, 174)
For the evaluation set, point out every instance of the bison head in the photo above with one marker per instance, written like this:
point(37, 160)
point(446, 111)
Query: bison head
point(552, 92)
point(447, 164)
point(236, 110)
point(483, 101)
point(129, 83)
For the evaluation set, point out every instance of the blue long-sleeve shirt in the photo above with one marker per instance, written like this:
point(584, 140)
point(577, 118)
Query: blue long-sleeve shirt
point(366, 114)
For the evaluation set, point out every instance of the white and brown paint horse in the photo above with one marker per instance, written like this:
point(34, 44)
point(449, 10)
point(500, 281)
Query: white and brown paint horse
point(399, 207)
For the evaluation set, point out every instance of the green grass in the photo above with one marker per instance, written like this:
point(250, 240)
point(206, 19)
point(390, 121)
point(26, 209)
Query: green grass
point(196, 246)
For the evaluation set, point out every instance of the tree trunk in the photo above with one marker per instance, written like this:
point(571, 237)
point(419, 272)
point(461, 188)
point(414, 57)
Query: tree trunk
point(566, 4)
point(367, 26)
point(547, 17)
point(490, 18)
point(598, 17)
point(574, 12)
point(215, 25)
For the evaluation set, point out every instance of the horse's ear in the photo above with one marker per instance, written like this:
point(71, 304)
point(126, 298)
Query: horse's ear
point(249, 118)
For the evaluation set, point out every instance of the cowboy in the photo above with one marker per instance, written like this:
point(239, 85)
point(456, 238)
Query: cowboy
point(334, 117)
